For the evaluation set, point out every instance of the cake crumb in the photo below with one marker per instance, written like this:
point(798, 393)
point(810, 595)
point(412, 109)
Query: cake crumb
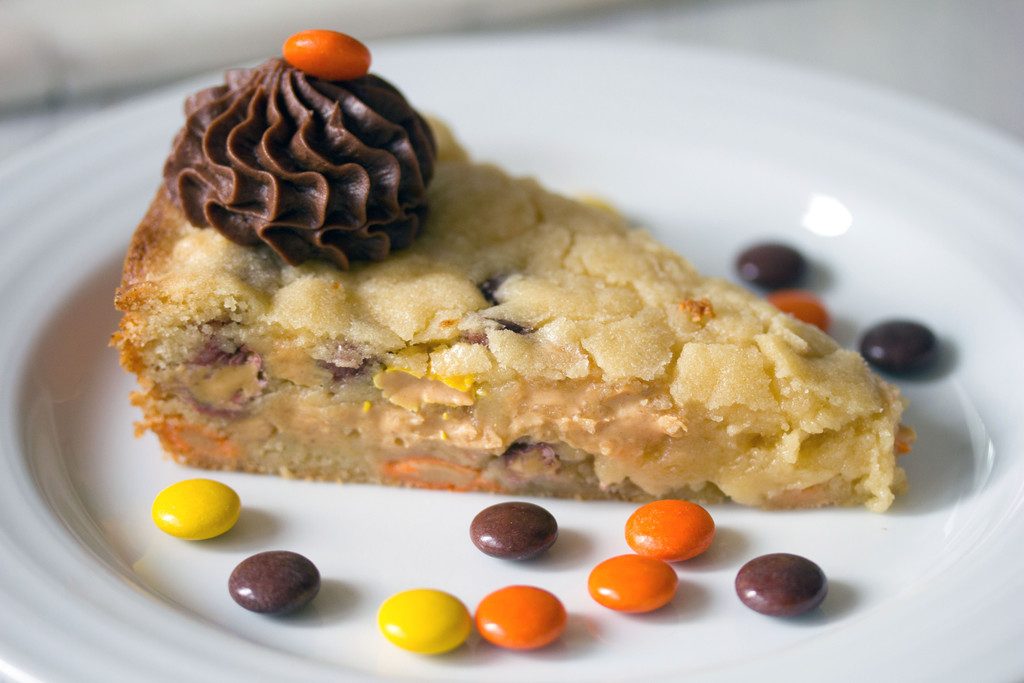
point(699, 310)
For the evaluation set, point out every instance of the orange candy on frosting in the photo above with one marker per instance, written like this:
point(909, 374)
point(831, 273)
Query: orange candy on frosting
point(329, 55)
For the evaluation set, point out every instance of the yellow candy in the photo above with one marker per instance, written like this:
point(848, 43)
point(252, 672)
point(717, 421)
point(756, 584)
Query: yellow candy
point(459, 382)
point(425, 620)
point(196, 509)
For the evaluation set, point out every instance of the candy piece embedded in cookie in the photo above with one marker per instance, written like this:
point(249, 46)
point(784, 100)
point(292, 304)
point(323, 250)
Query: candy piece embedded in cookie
point(523, 343)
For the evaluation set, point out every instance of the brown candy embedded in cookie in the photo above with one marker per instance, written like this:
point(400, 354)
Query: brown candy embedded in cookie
point(336, 170)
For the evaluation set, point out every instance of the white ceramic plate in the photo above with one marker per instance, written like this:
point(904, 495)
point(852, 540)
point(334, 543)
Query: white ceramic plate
point(904, 210)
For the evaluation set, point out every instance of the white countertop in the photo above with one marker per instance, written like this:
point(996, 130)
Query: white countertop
point(965, 55)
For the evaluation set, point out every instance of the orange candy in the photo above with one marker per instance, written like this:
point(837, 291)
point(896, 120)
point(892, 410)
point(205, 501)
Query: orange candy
point(802, 305)
point(670, 530)
point(329, 55)
point(633, 583)
point(520, 617)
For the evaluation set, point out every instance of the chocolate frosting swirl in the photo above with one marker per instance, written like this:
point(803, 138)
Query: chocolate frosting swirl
point(313, 168)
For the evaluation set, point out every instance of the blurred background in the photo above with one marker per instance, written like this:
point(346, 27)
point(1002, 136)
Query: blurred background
point(61, 60)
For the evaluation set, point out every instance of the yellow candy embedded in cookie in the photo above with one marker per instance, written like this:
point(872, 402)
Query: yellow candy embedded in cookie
point(459, 382)
point(196, 509)
point(412, 391)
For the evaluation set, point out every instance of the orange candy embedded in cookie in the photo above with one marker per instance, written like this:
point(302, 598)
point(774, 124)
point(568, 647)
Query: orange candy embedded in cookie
point(670, 530)
point(632, 583)
point(329, 55)
point(520, 617)
point(802, 305)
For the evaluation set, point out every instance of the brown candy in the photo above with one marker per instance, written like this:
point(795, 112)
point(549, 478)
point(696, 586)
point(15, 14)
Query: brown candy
point(771, 265)
point(900, 346)
point(781, 585)
point(274, 582)
point(514, 531)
